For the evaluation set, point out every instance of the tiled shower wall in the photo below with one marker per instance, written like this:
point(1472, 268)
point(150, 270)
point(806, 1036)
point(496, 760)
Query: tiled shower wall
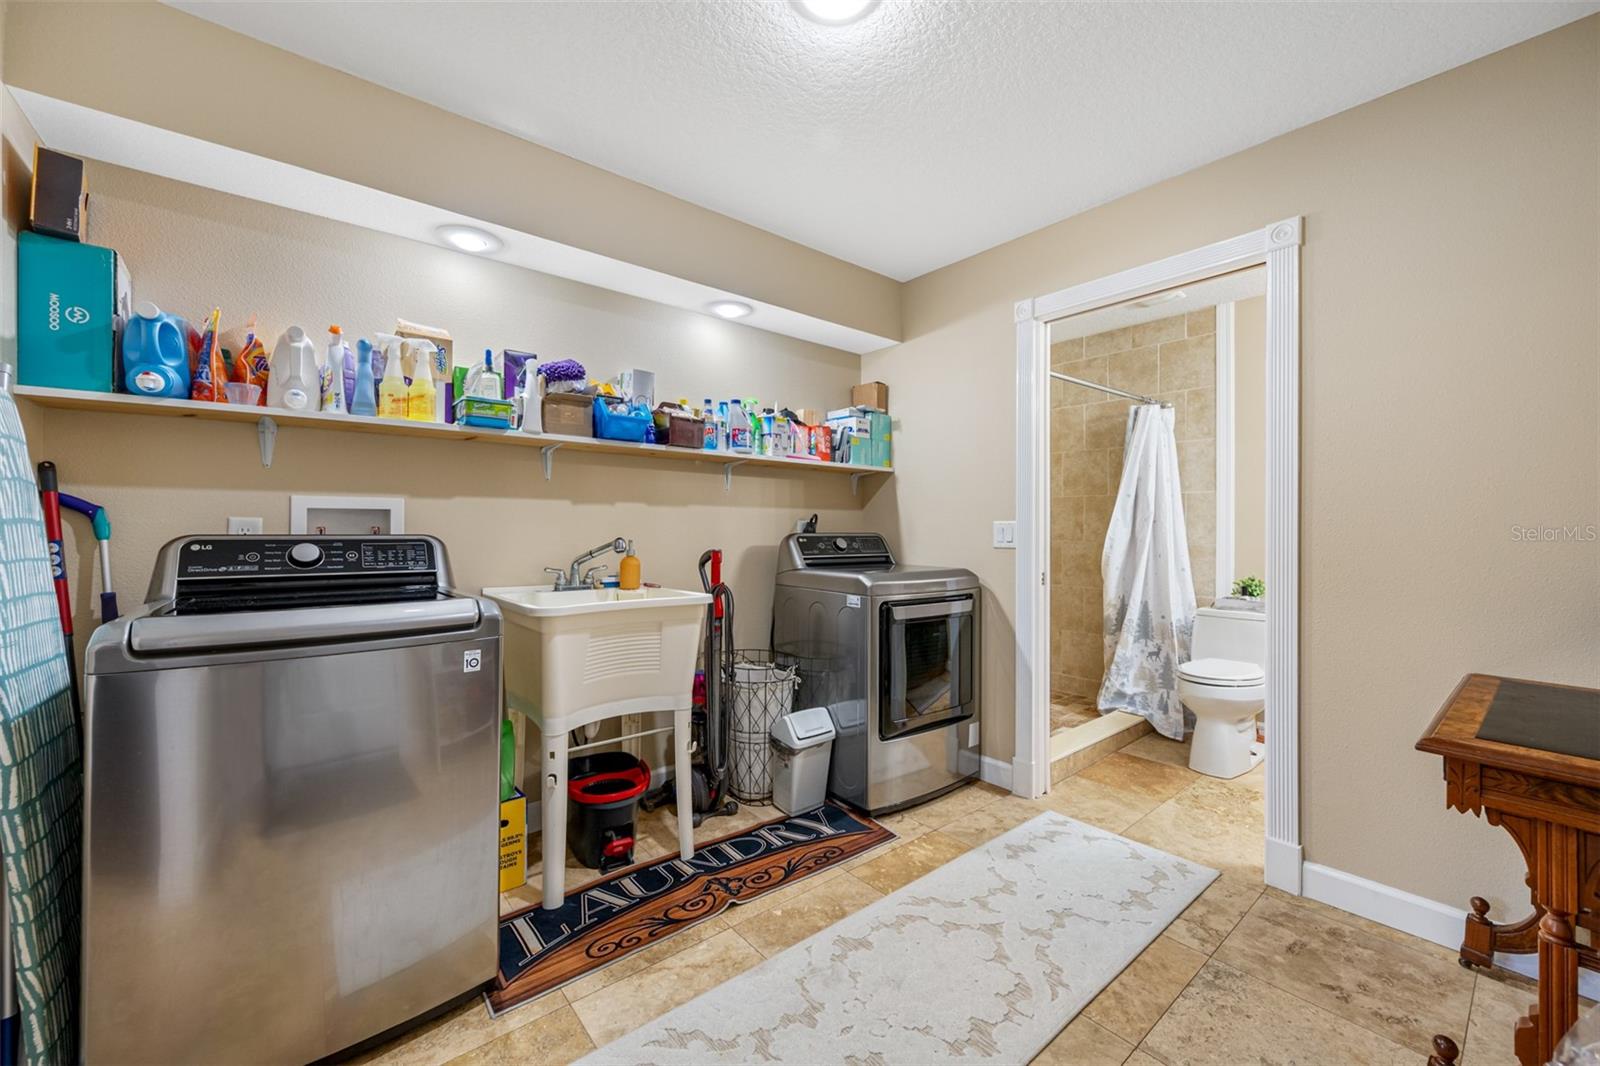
point(1175, 360)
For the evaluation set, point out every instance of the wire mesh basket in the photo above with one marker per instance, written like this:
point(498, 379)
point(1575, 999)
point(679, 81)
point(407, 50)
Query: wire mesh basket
point(762, 692)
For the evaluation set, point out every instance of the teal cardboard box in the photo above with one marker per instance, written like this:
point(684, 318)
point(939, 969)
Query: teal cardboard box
point(71, 302)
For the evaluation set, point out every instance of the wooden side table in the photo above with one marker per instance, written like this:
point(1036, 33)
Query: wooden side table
point(1526, 755)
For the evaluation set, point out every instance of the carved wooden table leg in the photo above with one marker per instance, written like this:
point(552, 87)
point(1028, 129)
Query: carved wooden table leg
point(1484, 938)
point(1557, 886)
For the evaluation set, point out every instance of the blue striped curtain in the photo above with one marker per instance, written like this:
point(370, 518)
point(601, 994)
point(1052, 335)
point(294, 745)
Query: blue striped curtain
point(41, 774)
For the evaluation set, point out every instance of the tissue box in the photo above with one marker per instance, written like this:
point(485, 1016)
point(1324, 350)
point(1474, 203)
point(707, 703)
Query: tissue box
point(513, 842)
point(72, 299)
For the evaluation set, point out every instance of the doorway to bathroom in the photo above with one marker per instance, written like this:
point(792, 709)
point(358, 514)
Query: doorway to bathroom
point(1197, 356)
point(1158, 467)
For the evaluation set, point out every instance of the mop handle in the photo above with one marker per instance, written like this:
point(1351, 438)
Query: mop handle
point(50, 501)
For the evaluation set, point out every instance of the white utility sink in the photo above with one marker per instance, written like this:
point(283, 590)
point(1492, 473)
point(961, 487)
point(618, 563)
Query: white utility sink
point(543, 601)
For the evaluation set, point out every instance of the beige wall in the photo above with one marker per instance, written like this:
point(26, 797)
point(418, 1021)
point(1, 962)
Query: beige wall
point(190, 248)
point(1451, 389)
point(221, 86)
point(1249, 438)
point(1175, 360)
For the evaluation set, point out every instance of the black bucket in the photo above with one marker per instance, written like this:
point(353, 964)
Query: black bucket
point(602, 790)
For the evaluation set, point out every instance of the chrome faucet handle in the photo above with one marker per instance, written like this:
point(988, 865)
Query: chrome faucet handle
point(561, 576)
point(593, 577)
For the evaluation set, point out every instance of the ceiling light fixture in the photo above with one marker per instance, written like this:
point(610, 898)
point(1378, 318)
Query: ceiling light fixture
point(834, 12)
point(1160, 298)
point(469, 239)
point(729, 308)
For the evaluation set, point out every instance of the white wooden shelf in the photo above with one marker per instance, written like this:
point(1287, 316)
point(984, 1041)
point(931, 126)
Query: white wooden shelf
point(268, 420)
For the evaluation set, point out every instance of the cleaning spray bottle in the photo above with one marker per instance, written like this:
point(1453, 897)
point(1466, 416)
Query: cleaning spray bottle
point(421, 397)
point(295, 382)
point(363, 400)
point(333, 372)
point(483, 382)
point(392, 391)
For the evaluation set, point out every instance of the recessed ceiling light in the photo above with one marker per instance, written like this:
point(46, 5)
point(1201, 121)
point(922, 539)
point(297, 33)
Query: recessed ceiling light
point(469, 239)
point(1160, 298)
point(834, 12)
point(729, 308)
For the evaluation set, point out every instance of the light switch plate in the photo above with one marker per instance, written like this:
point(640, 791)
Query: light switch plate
point(238, 525)
point(1005, 535)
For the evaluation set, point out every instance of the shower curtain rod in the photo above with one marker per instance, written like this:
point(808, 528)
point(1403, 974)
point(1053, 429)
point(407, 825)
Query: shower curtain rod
point(1107, 388)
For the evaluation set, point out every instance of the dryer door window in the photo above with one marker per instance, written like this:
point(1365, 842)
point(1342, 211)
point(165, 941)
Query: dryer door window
point(926, 671)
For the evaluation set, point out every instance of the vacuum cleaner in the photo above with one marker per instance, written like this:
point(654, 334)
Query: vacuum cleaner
point(712, 729)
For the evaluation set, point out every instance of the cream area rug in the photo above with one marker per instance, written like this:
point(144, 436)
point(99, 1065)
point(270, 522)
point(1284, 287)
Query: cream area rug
point(984, 959)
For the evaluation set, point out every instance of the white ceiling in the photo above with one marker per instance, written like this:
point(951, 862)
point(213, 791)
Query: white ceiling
point(920, 135)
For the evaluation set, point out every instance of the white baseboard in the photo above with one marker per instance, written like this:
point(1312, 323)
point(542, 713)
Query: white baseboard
point(996, 772)
point(1283, 865)
point(1428, 919)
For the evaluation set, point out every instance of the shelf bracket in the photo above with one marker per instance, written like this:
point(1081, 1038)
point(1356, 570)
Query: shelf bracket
point(266, 437)
point(855, 484)
point(547, 453)
point(727, 474)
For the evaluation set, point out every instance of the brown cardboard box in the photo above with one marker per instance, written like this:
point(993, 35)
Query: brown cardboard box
point(812, 416)
point(570, 414)
point(873, 394)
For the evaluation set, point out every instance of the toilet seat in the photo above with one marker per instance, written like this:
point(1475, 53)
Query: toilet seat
point(1221, 673)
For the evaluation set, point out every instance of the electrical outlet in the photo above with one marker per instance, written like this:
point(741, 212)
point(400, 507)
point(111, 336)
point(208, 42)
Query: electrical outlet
point(238, 525)
point(1005, 535)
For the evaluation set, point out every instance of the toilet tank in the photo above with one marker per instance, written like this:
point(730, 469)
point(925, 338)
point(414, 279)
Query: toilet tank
point(1225, 634)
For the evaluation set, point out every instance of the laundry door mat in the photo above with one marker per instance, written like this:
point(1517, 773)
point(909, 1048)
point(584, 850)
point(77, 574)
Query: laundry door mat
point(984, 959)
point(645, 904)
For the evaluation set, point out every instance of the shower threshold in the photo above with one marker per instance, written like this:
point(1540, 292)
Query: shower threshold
point(1073, 749)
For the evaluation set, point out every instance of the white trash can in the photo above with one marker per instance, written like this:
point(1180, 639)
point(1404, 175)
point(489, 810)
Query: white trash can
point(801, 745)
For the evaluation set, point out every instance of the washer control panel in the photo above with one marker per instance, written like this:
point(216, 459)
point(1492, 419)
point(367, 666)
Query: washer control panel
point(833, 548)
point(244, 557)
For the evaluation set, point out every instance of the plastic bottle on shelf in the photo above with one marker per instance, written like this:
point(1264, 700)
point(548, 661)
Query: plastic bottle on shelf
point(392, 390)
point(333, 372)
point(155, 353)
point(422, 397)
point(709, 413)
point(296, 379)
point(363, 400)
point(739, 429)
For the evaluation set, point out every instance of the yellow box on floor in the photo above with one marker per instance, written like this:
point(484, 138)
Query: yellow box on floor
point(513, 842)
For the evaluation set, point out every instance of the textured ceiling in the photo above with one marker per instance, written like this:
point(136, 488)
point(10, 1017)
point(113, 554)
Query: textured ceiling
point(922, 134)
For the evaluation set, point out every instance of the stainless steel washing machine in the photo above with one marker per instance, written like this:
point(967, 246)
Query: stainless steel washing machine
point(892, 652)
point(291, 809)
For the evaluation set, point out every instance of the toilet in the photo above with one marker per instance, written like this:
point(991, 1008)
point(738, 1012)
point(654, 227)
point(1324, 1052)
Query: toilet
point(1225, 685)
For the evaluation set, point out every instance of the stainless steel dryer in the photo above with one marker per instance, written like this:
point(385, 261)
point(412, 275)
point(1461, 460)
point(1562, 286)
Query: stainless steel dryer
point(892, 652)
point(291, 810)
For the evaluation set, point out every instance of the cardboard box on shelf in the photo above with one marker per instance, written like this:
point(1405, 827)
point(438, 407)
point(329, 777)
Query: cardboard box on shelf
point(59, 206)
point(513, 842)
point(812, 416)
point(72, 299)
point(873, 394)
point(570, 414)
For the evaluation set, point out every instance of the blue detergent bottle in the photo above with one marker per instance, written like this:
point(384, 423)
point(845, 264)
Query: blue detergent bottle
point(155, 353)
point(364, 400)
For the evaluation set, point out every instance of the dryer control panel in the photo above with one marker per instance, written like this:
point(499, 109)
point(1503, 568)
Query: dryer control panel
point(843, 549)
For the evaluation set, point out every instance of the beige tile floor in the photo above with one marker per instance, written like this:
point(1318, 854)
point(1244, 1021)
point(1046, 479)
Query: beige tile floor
point(1246, 974)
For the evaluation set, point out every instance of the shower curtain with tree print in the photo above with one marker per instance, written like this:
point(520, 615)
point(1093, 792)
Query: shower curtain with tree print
point(1149, 591)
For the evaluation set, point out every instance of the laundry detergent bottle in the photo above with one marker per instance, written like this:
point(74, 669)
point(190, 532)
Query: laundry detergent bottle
point(296, 379)
point(392, 401)
point(155, 353)
point(364, 397)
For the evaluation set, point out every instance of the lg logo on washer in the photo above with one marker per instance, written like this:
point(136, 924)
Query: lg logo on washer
point(78, 316)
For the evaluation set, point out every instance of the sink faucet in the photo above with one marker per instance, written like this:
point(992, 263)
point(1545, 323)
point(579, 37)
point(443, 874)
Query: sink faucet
point(569, 579)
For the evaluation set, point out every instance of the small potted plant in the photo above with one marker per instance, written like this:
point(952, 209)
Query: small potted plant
point(1250, 588)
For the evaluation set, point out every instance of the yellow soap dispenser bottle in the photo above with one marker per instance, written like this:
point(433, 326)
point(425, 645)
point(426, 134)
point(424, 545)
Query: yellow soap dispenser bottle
point(628, 571)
